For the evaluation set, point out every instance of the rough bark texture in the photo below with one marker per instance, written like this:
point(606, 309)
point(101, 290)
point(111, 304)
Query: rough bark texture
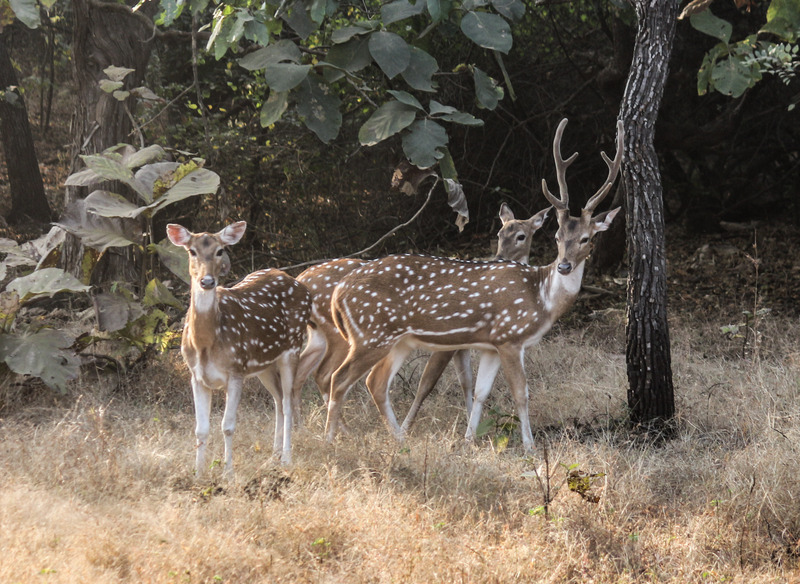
point(650, 389)
point(28, 201)
point(104, 34)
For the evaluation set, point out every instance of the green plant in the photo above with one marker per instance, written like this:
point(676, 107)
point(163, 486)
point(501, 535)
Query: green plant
point(501, 424)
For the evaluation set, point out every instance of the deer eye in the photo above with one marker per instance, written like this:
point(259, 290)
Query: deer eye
point(220, 252)
point(584, 239)
point(521, 237)
point(192, 253)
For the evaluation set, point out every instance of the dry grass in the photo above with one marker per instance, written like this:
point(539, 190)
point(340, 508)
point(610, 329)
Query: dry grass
point(99, 488)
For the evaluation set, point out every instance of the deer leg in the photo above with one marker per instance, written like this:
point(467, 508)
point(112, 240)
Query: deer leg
point(463, 365)
point(270, 379)
point(378, 382)
point(202, 415)
point(427, 381)
point(309, 361)
point(287, 367)
point(334, 357)
point(232, 397)
point(514, 371)
point(355, 365)
point(487, 371)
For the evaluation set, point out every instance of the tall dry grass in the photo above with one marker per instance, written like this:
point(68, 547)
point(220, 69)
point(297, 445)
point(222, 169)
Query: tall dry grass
point(99, 488)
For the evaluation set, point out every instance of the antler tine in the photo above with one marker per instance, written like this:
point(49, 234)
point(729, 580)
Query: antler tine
point(613, 170)
point(561, 171)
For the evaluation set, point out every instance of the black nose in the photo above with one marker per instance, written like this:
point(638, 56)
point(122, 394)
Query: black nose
point(207, 282)
point(564, 268)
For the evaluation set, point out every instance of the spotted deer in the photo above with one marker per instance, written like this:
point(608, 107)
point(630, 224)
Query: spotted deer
point(254, 328)
point(326, 349)
point(391, 306)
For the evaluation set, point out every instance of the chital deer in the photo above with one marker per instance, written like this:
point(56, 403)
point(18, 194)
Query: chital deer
point(254, 328)
point(326, 349)
point(391, 306)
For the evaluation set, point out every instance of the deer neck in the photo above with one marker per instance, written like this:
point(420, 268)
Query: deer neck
point(202, 320)
point(559, 291)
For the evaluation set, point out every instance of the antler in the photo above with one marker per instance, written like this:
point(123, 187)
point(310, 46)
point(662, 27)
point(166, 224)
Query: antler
point(613, 170)
point(561, 170)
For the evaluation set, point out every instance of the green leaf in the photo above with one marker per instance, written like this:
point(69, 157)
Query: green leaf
point(283, 50)
point(27, 11)
point(174, 258)
point(487, 30)
point(712, 25)
point(511, 9)
point(273, 108)
point(108, 204)
point(170, 10)
point(109, 86)
point(434, 9)
point(156, 294)
point(198, 182)
point(351, 56)
point(115, 73)
point(388, 120)
point(406, 98)
point(462, 118)
point(42, 354)
point(732, 77)
point(99, 232)
point(45, 282)
point(484, 427)
point(298, 19)
point(285, 76)
point(344, 34)
point(257, 32)
point(390, 51)
point(487, 92)
point(114, 311)
point(400, 10)
point(318, 10)
point(318, 108)
point(447, 166)
point(148, 155)
point(110, 167)
point(422, 144)
point(783, 20)
point(420, 70)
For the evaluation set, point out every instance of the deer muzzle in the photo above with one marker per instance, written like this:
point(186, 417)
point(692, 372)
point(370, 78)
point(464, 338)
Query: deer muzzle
point(564, 267)
point(208, 282)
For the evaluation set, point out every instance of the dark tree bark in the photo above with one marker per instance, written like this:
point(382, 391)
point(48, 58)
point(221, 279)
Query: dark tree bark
point(650, 388)
point(105, 34)
point(28, 201)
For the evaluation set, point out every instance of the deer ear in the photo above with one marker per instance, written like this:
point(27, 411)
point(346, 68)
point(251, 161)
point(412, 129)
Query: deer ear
point(538, 220)
point(506, 214)
point(603, 221)
point(232, 233)
point(178, 234)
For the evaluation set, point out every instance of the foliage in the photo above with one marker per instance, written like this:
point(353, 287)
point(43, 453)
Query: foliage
point(103, 220)
point(733, 67)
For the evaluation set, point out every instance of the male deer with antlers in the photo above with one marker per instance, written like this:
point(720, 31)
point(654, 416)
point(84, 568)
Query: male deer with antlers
point(389, 307)
point(326, 348)
point(254, 328)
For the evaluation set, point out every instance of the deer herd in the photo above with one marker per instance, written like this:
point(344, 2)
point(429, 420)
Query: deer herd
point(347, 318)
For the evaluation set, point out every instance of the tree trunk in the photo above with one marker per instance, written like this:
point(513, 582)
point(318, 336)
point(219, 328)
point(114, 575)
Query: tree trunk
point(28, 201)
point(650, 390)
point(105, 34)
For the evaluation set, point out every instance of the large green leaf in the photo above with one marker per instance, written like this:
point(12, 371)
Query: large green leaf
point(318, 107)
point(114, 311)
point(45, 282)
point(423, 143)
point(285, 76)
point(712, 25)
point(488, 30)
point(111, 167)
point(390, 51)
point(298, 19)
point(44, 354)
point(257, 31)
point(156, 293)
point(98, 232)
point(173, 257)
point(150, 154)
point(783, 20)
point(487, 92)
point(27, 11)
point(511, 9)
point(283, 50)
point(387, 120)
point(732, 77)
point(200, 181)
point(351, 56)
point(109, 204)
point(420, 70)
point(344, 34)
point(400, 10)
point(406, 98)
point(273, 108)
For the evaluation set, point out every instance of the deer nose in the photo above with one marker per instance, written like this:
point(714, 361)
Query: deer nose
point(564, 268)
point(207, 282)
